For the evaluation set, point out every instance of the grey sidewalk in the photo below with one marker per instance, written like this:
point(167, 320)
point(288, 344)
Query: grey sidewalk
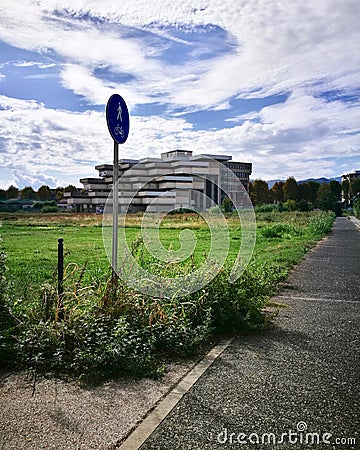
point(300, 377)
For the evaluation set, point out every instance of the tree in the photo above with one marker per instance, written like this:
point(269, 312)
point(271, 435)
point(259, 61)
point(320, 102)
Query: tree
point(227, 205)
point(28, 193)
point(12, 192)
point(277, 192)
point(304, 192)
point(259, 192)
point(355, 188)
point(291, 189)
point(2, 194)
point(59, 192)
point(71, 189)
point(335, 188)
point(303, 205)
point(313, 187)
point(325, 198)
point(44, 193)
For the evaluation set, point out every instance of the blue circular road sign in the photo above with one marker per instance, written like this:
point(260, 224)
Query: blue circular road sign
point(117, 118)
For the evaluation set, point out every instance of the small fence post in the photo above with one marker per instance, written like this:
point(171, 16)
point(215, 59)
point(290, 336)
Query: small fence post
point(60, 277)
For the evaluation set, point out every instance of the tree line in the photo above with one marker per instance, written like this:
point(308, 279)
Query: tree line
point(44, 199)
point(307, 195)
point(44, 193)
point(289, 195)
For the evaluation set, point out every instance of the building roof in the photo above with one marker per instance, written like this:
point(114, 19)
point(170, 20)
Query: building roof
point(217, 157)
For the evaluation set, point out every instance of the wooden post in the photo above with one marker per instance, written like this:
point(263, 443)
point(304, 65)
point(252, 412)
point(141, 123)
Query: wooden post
point(60, 278)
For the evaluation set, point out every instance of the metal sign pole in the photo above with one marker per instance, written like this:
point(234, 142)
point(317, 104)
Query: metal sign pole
point(117, 118)
point(115, 210)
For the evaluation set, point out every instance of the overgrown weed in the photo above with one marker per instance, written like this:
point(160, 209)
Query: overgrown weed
point(108, 329)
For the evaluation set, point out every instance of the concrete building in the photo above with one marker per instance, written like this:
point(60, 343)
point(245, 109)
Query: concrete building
point(349, 197)
point(350, 176)
point(177, 180)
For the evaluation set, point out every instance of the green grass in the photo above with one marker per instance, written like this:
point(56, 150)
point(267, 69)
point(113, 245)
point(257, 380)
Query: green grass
point(110, 329)
point(31, 243)
point(32, 247)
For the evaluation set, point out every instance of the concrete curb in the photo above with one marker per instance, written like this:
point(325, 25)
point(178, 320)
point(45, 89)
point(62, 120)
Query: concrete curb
point(355, 221)
point(153, 420)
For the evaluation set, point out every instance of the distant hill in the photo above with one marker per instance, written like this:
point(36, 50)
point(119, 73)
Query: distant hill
point(318, 180)
point(272, 182)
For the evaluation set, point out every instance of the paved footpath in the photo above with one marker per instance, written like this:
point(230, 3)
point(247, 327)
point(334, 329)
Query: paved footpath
point(288, 387)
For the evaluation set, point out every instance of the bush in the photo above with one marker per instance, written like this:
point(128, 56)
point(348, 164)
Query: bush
point(279, 230)
point(93, 345)
point(108, 330)
point(290, 205)
point(227, 205)
point(357, 208)
point(303, 205)
point(49, 209)
point(266, 207)
point(2, 278)
point(42, 204)
point(6, 321)
point(322, 224)
point(126, 332)
point(238, 306)
point(337, 209)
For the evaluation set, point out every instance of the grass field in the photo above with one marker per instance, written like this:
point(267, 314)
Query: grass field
point(180, 325)
point(30, 241)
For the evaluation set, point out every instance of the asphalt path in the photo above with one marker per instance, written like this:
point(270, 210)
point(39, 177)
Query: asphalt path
point(291, 387)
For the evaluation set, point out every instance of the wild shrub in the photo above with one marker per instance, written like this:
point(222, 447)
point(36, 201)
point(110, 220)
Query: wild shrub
point(279, 230)
point(321, 224)
point(2, 279)
point(6, 320)
point(303, 205)
point(88, 344)
point(290, 205)
point(49, 209)
point(266, 207)
point(42, 204)
point(357, 208)
point(109, 329)
point(125, 332)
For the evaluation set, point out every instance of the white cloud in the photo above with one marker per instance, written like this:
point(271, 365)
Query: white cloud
point(279, 45)
point(36, 140)
point(35, 180)
point(32, 64)
point(300, 48)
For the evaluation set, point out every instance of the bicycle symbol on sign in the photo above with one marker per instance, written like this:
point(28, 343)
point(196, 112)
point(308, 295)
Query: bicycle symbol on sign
point(119, 131)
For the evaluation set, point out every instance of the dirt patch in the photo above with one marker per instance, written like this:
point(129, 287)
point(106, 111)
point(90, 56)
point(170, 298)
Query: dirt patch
point(64, 415)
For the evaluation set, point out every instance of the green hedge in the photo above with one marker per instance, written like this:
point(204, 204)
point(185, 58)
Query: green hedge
point(357, 208)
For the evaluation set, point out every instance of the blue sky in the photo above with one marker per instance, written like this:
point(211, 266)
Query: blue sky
point(275, 83)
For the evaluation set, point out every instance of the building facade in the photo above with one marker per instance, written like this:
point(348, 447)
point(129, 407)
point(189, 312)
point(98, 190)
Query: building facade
point(351, 176)
point(177, 180)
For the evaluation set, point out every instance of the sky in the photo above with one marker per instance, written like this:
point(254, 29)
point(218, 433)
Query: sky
point(275, 83)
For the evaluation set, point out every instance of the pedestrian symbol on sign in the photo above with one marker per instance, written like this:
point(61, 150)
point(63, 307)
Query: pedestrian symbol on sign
point(119, 110)
point(117, 117)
